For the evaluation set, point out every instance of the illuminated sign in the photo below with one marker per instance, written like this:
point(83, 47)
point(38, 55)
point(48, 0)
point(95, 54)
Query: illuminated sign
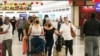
point(97, 6)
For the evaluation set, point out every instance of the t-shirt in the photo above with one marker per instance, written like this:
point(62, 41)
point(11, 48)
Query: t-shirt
point(13, 22)
point(66, 31)
point(20, 23)
point(7, 35)
point(26, 27)
point(49, 33)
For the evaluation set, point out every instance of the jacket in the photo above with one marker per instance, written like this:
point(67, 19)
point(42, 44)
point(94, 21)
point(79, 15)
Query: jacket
point(91, 27)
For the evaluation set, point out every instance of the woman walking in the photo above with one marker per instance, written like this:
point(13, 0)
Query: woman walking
point(65, 30)
point(49, 31)
point(37, 44)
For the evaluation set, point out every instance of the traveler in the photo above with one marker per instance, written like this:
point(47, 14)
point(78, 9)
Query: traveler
point(65, 30)
point(7, 37)
point(91, 29)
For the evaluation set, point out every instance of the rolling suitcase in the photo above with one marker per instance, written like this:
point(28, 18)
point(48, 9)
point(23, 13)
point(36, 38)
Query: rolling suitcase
point(36, 46)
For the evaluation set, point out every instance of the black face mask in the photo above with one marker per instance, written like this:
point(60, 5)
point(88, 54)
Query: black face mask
point(37, 22)
point(31, 21)
point(49, 25)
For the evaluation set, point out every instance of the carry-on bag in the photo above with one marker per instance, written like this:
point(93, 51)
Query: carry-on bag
point(36, 46)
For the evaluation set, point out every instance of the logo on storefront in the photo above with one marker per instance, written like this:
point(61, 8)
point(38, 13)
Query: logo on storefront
point(97, 6)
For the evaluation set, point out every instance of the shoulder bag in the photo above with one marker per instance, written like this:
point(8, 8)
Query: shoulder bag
point(73, 34)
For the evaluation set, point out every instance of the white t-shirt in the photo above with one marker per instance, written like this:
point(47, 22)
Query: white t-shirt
point(36, 31)
point(7, 35)
point(66, 31)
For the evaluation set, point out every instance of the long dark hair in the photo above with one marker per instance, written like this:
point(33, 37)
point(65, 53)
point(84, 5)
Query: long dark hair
point(44, 20)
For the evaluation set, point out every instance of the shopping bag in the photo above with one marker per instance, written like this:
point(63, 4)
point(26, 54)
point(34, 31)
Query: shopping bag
point(24, 45)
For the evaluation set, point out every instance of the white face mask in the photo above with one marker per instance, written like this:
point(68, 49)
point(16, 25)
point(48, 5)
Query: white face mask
point(47, 18)
point(66, 22)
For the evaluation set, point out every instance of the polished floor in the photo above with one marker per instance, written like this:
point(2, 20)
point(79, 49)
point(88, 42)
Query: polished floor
point(78, 48)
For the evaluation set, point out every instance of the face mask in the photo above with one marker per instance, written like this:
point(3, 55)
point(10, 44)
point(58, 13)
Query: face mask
point(37, 22)
point(66, 22)
point(31, 21)
point(47, 18)
point(49, 25)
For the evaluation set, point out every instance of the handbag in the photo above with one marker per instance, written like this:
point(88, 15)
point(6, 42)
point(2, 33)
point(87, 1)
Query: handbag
point(73, 34)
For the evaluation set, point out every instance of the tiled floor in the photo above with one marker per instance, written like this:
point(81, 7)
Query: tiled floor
point(78, 48)
point(17, 47)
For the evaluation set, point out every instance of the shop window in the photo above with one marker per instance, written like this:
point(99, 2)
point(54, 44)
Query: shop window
point(63, 9)
point(60, 9)
point(67, 9)
point(49, 11)
point(57, 10)
point(53, 10)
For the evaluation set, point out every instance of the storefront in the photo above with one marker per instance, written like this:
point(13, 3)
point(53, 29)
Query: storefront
point(84, 12)
point(54, 9)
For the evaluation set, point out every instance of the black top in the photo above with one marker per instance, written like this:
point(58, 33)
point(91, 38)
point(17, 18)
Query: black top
point(13, 22)
point(59, 25)
point(91, 27)
point(49, 33)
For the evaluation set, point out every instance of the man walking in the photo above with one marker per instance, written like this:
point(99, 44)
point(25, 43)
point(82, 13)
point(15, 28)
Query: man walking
point(91, 29)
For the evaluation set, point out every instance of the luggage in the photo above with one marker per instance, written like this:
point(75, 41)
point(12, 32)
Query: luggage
point(36, 46)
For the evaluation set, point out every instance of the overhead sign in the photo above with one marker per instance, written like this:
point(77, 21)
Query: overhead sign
point(97, 6)
point(24, 16)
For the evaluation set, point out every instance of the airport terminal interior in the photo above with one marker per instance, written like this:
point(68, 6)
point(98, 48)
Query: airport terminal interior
point(76, 11)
